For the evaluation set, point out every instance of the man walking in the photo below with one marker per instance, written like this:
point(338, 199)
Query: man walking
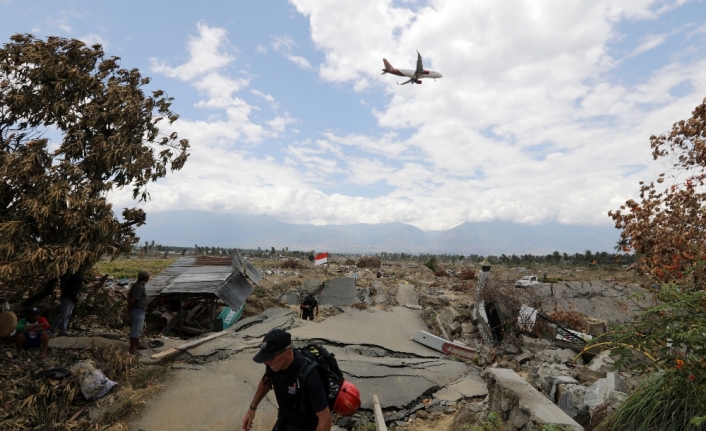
point(136, 309)
point(301, 408)
point(70, 286)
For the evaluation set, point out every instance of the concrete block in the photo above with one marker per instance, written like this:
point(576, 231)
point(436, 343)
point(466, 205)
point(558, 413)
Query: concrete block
point(339, 291)
point(520, 405)
point(571, 402)
point(290, 298)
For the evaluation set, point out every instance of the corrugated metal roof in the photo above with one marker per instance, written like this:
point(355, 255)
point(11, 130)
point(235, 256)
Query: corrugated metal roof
point(245, 268)
point(234, 291)
point(181, 265)
point(190, 275)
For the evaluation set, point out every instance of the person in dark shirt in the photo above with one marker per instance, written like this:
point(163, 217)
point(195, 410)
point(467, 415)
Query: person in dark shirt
point(283, 365)
point(71, 285)
point(308, 305)
point(136, 309)
point(32, 331)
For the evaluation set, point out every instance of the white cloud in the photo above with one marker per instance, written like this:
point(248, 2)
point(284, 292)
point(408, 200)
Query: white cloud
point(650, 41)
point(208, 51)
point(530, 122)
point(92, 38)
point(285, 44)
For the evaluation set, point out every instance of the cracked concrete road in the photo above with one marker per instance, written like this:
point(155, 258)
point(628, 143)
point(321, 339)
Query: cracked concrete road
point(213, 387)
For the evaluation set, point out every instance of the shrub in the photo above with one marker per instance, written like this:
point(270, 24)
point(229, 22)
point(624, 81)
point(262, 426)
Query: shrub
point(292, 264)
point(369, 262)
point(441, 272)
point(349, 261)
point(468, 274)
point(432, 264)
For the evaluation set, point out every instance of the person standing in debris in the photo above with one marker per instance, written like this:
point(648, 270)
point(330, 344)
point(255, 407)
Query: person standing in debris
point(70, 286)
point(136, 309)
point(301, 408)
point(32, 331)
point(308, 306)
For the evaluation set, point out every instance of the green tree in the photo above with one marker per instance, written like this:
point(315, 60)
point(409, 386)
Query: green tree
point(54, 214)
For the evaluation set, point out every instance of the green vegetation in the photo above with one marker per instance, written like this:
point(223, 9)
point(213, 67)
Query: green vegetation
point(491, 423)
point(122, 268)
point(432, 264)
point(665, 229)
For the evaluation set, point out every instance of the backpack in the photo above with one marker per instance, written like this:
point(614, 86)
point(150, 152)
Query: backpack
point(324, 362)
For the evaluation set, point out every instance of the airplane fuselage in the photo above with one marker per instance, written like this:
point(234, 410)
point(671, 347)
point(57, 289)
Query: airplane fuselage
point(409, 73)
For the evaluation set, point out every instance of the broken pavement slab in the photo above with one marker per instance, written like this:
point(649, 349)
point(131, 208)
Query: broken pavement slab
point(520, 405)
point(221, 383)
point(407, 296)
point(389, 329)
point(469, 386)
point(339, 291)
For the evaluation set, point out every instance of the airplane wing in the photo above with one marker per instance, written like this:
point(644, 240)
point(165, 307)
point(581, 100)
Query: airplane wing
point(407, 81)
point(420, 67)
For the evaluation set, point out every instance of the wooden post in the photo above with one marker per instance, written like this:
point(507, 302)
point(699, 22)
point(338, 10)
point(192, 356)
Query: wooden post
point(379, 418)
point(181, 322)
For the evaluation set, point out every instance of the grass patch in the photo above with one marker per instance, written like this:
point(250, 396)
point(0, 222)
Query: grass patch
point(148, 375)
point(129, 403)
point(129, 268)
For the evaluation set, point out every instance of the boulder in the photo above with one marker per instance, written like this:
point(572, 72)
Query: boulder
point(571, 402)
point(310, 285)
point(558, 356)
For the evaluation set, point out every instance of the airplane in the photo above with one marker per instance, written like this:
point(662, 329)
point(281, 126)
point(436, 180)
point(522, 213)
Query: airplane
point(415, 76)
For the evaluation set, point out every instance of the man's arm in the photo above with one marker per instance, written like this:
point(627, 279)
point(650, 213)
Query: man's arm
point(316, 308)
point(262, 390)
point(325, 420)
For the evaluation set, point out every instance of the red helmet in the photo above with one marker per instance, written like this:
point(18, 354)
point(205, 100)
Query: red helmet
point(348, 399)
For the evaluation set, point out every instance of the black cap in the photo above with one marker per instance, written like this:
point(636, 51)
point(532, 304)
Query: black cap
point(274, 342)
point(32, 310)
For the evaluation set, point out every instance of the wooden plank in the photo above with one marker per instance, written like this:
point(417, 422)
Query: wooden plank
point(187, 346)
point(379, 418)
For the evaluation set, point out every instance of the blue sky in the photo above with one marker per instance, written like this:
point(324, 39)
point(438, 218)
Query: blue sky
point(543, 115)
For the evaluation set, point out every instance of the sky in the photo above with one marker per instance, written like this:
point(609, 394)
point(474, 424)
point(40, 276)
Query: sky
point(543, 114)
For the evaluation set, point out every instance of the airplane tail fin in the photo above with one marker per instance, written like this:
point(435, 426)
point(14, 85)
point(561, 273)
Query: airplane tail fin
point(388, 66)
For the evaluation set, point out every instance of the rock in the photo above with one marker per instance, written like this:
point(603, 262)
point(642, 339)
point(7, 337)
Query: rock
point(310, 285)
point(421, 414)
point(520, 405)
point(586, 375)
point(539, 374)
point(558, 356)
point(554, 381)
point(468, 328)
point(603, 362)
point(534, 345)
point(290, 298)
point(469, 386)
point(524, 357)
point(612, 388)
point(454, 328)
point(434, 301)
point(571, 402)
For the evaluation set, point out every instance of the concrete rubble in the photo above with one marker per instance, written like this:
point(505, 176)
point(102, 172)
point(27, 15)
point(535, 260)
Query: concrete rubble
point(528, 379)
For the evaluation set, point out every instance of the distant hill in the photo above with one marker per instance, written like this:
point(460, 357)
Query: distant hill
point(187, 228)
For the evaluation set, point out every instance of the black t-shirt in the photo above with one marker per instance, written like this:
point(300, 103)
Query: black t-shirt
point(289, 394)
point(309, 300)
point(138, 292)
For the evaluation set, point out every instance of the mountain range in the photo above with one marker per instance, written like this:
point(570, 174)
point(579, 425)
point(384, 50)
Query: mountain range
point(188, 228)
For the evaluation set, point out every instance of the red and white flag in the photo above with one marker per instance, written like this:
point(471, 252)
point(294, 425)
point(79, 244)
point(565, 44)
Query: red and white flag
point(321, 258)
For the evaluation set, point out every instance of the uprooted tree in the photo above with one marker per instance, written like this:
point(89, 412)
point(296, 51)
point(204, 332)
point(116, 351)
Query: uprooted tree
point(74, 125)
